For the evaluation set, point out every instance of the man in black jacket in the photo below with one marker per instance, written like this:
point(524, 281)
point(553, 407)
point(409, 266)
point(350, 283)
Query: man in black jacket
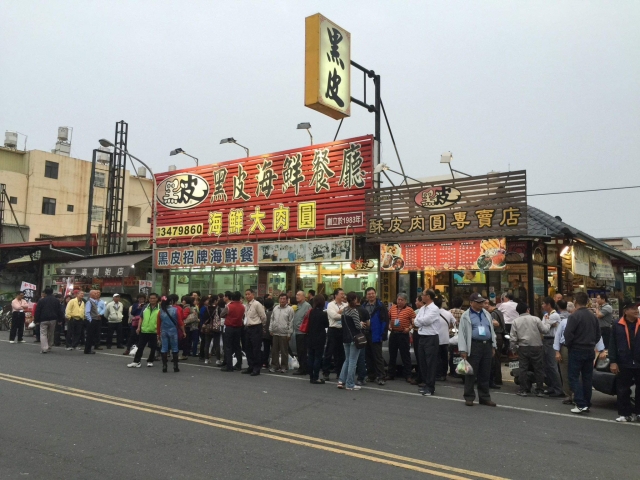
point(580, 337)
point(624, 354)
point(48, 313)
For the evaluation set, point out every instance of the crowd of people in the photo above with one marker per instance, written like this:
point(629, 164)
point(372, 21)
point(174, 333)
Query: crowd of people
point(344, 334)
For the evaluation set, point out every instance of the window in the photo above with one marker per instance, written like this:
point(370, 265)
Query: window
point(69, 208)
point(99, 180)
point(51, 169)
point(48, 206)
point(148, 218)
point(13, 200)
point(97, 213)
point(133, 217)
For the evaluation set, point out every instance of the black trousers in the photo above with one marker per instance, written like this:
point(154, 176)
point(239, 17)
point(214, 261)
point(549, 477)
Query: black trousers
point(133, 337)
point(399, 341)
point(74, 331)
point(314, 362)
point(59, 330)
point(606, 335)
point(480, 360)
point(335, 350)
point(117, 328)
point(443, 360)
point(496, 368)
point(17, 326)
point(144, 339)
point(93, 334)
point(429, 360)
point(266, 351)
point(531, 356)
point(374, 358)
point(215, 338)
point(253, 347)
point(624, 380)
point(232, 346)
point(301, 348)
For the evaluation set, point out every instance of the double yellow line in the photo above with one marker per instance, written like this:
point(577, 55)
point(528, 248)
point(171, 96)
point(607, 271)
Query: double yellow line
point(354, 451)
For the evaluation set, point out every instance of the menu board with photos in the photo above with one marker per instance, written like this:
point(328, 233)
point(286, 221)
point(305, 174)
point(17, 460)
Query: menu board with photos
point(474, 254)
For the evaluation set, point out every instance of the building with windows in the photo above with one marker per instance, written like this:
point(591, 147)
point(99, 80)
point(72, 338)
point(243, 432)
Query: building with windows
point(49, 196)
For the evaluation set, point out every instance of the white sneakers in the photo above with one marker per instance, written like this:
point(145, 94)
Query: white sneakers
point(149, 364)
point(357, 387)
point(134, 365)
point(206, 362)
point(632, 418)
point(12, 341)
point(579, 410)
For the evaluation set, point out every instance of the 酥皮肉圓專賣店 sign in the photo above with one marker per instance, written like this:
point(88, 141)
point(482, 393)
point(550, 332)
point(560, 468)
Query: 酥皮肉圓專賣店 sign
point(266, 197)
point(327, 67)
point(486, 206)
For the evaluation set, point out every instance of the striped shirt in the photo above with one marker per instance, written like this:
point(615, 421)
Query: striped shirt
point(400, 319)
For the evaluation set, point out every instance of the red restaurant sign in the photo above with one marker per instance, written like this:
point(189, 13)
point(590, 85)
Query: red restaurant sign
point(489, 254)
point(266, 197)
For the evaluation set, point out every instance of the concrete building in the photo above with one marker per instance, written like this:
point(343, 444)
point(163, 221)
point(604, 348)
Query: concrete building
point(49, 195)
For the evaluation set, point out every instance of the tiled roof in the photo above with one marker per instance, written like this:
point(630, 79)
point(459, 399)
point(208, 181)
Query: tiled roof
point(541, 224)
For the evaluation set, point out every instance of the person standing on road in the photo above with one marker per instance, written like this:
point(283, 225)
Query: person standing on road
point(604, 312)
point(255, 315)
point(93, 323)
point(48, 314)
point(401, 317)
point(301, 339)
point(376, 333)
point(334, 349)
point(497, 318)
point(167, 328)
point(350, 328)
point(266, 336)
point(552, 375)
point(135, 311)
point(147, 332)
point(281, 329)
point(316, 338)
point(448, 322)
point(74, 313)
point(114, 312)
point(581, 335)
point(416, 343)
point(428, 322)
point(60, 326)
point(233, 315)
point(18, 306)
point(477, 344)
point(624, 354)
point(562, 353)
point(525, 335)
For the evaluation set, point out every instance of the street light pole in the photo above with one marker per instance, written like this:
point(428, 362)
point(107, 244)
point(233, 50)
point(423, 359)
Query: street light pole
point(233, 140)
point(179, 150)
point(107, 143)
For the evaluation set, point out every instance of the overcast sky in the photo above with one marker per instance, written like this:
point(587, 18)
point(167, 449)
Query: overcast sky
point(551, 87)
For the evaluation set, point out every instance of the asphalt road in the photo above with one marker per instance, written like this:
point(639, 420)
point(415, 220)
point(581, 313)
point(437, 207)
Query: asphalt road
point(69, 415)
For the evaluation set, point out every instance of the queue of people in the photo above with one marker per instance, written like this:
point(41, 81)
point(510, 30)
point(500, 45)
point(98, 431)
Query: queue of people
point(344, 336)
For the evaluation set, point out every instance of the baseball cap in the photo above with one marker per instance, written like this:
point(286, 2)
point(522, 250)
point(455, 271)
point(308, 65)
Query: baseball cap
point(116, 295)
point(476, 297)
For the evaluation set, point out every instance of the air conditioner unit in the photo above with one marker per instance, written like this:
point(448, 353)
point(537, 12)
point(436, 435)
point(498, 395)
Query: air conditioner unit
point(10, 139)
point(142, 172)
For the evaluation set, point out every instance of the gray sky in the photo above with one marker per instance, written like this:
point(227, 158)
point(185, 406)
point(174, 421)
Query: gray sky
point(551, 87)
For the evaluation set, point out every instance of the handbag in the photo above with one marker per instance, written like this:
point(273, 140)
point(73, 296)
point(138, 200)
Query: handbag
point(135, 321)
point(191, 318)
point(358, 339)
point(304, 326)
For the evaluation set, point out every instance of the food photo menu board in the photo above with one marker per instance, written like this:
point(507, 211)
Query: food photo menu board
point(475, 254)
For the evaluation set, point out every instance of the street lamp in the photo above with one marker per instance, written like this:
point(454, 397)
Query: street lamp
point(233, 140)
point(179, 150)
point(383, 168)
point(306, 126)
point(106, 143)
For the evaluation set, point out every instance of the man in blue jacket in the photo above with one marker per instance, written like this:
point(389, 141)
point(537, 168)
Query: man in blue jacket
point(376, 332)
point(624, 354)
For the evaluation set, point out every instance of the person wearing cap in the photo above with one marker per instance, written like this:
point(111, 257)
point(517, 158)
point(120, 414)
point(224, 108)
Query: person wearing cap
point(477, 345)
point(114, 311)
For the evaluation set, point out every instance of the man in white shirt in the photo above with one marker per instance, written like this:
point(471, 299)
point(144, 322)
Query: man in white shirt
point(552, 374)
point(428, 322)
point(334, 348)
point(508, 309)
point(255, 315)
point(114, 311)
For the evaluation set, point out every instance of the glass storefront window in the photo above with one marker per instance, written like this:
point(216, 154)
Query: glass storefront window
point(309, 276)
point(539, 289)
point(276, 283)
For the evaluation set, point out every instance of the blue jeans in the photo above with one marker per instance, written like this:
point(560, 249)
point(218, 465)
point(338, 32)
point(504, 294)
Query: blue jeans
point(169, 339)
point(581, 363)
point(361, 369)
point(348, 372)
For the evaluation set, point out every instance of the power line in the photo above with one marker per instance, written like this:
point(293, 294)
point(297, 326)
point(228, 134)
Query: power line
point(580, 191)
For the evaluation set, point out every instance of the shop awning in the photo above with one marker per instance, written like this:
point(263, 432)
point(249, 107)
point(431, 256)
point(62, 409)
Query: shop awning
point(104, 266)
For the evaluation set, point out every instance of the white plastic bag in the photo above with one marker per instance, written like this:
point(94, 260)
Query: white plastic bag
point(453, 340)
point(133, 351)
point(293, 363)
point(464, 368)
point(31, 326)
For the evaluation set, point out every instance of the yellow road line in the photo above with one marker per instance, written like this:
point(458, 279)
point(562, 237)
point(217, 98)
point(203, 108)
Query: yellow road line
point(297, 439)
